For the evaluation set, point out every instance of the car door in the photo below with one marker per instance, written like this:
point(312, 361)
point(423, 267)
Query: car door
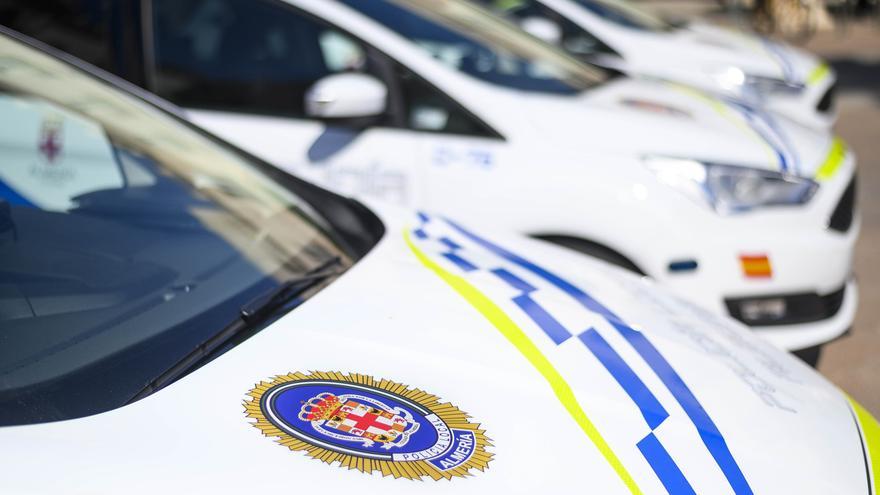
point(461, 154)
point(242, 68)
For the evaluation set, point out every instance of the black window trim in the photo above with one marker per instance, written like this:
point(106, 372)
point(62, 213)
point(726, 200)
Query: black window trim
point(148, 55)
point(130, 55)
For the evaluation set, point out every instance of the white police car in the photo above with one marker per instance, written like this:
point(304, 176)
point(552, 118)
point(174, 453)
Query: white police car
point(439, 105)
point(178, 317)
point(623, 35)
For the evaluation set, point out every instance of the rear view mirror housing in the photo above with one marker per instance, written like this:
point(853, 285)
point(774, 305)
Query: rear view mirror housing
point(543, 29)
point(348, 96)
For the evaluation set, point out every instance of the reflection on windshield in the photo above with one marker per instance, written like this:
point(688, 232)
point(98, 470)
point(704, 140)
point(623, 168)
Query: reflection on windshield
point(626, 14)
point(126, 239)
point(481, 45)
point(557, 28)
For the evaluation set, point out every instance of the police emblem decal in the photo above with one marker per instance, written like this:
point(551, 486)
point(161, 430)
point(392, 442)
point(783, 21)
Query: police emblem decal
point(369, 425)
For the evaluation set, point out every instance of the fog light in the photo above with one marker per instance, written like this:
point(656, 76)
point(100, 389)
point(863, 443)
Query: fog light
point(763, 309)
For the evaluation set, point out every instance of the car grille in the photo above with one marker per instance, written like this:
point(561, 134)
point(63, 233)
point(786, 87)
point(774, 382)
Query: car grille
point(842, 218)
point(827, 102)
point(799, 308)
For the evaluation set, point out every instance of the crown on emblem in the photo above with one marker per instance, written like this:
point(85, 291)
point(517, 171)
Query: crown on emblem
point(319, 408)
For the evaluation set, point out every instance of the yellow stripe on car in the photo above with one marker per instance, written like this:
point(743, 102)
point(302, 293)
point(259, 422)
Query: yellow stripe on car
point(833, 161)
point(516, 336)
point(820, 72)
point(871, 434)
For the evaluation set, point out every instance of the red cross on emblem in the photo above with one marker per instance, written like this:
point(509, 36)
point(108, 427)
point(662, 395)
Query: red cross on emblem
point(50, 140)
point(366, 421)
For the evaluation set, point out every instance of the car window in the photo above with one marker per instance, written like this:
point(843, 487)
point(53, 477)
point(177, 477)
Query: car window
point(83, 28)
point(246, 56)
point(427, 109)
point(261, 57)
point(127, 239)
point(626, 14)
point(477, 43)
point(574, 39)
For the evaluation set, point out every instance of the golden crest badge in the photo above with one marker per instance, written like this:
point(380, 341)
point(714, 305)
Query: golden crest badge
point(369, 425)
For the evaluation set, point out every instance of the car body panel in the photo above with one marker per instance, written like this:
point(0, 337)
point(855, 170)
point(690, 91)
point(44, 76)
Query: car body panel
point(697, 53)
point(613, 125)
point(574, 167)
point(403, 321)
point(580, 374)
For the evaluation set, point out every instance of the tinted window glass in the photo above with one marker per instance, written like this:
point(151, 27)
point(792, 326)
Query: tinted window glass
point(80, 27)
point(244, 55)
point(574, 39)
point(477, 43)
point(126, 240)
point(427, 109)
point(626, 14)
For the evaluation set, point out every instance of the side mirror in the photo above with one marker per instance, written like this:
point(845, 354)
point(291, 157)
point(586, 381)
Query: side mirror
point(543, 29)
point(346, 96)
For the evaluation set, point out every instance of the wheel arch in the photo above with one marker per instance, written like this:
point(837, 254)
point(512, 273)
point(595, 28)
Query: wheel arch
point(592, 248)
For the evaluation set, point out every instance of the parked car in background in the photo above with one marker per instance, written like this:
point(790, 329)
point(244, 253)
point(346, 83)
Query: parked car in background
point(443, 106)
point(178, 316)
point(622, 35)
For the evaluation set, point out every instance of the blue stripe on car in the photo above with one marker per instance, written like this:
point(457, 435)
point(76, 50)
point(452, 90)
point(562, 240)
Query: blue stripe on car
point(708, 431)
point(557, 333)
point(653, 412)
point(782, 58)
point(776, 139)
point(665, 468)
point(12, 196)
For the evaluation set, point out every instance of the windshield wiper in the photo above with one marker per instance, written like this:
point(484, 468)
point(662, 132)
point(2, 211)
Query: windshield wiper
point(250, 317)
point(266, 304)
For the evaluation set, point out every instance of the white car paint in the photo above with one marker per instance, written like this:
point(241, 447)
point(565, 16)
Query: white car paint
point(573, 166)
point(703, 55)
point(401, 314)
point(580, 375)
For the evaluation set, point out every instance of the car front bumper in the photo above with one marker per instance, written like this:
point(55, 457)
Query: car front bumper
point(804, 335)
point(808, 251)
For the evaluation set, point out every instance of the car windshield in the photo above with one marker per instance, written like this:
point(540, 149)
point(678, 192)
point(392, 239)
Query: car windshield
point(625, 13)
point(479, 44)
point(127, 238)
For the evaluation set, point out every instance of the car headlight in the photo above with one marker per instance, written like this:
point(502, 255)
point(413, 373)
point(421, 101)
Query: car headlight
point(735, 80)
point(771, 85)
point(730, 78)
point(731, 189)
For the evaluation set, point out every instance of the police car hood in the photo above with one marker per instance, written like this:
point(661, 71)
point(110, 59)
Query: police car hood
point(571, 373)
point(714, 49)
point(647, 117)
